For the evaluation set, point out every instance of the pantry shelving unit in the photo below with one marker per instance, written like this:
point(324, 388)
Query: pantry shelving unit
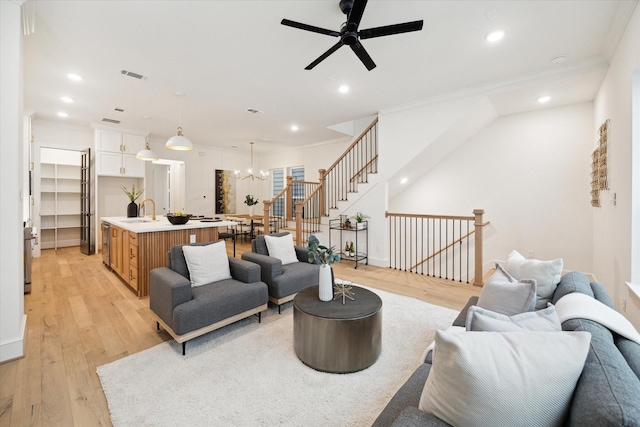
point(59, 204)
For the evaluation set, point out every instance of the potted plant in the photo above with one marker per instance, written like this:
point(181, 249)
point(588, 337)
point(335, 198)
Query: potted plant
point(360, 218)
point(250, 201)
point(132, 208)
point(326, 256)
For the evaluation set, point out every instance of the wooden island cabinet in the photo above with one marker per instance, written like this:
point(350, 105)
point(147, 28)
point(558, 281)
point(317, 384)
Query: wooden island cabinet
point(136, 246)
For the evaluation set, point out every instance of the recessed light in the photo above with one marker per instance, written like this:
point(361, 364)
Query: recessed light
point(544, 99)
point(343, 89)
point(494, 36)
point(74, 77)
point(294, 128)
point(404, 180)
point(62, 114)
point(66, 99)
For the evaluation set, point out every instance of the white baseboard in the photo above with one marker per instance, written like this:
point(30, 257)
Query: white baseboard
point(14, 349)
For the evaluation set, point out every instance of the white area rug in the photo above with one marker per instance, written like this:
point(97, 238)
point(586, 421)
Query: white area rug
point(248, 374)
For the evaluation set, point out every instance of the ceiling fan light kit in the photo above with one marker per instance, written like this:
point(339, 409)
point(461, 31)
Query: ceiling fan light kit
point(349, 34)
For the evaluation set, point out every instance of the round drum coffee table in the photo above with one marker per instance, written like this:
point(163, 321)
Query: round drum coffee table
point(335, 337)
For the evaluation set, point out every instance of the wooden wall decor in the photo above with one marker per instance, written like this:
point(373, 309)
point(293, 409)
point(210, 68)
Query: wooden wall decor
point(599, 166)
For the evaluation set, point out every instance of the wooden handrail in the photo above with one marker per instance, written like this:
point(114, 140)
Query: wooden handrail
point(304, 182)
point(353, 144)
point(448, 246)
point(363, 168)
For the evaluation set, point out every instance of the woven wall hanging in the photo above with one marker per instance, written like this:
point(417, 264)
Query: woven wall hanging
point(599, 166)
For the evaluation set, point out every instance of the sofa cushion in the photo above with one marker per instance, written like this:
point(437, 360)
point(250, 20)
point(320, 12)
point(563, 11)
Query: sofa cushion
point(512, 378)
point(412, 417)
point(504, 296)
point(546, 274)
point(294, 278)
point(281, 247)
point(608, 392)
point(408, 395)
point(259, 246)
point(207, 264)
point(213, 303)
point(479, 319)
point(574, 281)
point(461, 319)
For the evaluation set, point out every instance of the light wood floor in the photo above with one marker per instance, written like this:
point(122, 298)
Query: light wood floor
point(81, 316)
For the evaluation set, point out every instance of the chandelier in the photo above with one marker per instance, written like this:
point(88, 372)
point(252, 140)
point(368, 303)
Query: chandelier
point(263, 175)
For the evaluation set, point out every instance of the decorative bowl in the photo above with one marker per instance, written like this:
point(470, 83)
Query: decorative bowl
point(178, 220)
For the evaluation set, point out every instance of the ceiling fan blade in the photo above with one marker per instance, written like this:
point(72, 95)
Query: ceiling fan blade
point(388, 30)
point(355, 15)
point(363, 55)
point(311, 28)
point(324, 55)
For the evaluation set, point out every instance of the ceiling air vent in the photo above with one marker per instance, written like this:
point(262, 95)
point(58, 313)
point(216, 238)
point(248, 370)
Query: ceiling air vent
point(117, 122)
point(119, 110)
point(254, 111)
point(134, 75)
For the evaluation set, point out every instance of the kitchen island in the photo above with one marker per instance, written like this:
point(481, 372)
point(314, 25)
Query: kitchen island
point(138, 245)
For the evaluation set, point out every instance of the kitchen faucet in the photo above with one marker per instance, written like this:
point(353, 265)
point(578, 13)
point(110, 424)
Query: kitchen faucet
point(153, 207)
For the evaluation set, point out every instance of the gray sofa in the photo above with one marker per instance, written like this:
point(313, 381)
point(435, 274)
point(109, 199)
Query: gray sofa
point(187, 312)
point(284, 281)
point(607, 393)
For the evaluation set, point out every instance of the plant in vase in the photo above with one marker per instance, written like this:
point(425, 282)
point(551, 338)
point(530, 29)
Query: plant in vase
point(325, 255)
point(360, 218)
point(250, 201)
point(132, 208)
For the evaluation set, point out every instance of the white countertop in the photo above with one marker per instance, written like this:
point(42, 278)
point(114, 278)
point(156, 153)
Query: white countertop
point(146, 225)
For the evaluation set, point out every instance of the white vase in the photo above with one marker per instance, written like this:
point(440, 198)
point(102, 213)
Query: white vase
point(325, 287)
point(251, 210)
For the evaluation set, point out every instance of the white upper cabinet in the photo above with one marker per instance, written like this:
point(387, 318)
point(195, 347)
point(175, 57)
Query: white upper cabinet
point(116, 154)
point(132, 144)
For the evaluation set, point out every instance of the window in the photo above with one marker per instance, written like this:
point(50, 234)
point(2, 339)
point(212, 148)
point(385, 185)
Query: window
point(298, 188)
point(278, 186)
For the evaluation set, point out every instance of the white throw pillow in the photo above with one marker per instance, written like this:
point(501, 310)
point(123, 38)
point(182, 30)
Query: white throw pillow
point(207, 263)
point(281, 248)
point(479, 319)
point(547, 275)
point(506, 295)
point(504, 379)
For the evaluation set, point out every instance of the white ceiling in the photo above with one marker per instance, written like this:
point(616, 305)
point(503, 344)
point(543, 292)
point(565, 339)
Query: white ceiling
point(227, 56)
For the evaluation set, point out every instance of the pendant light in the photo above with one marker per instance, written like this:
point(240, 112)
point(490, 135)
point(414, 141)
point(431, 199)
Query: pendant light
point(179, 141)
point(263, 176)
point(147, 154)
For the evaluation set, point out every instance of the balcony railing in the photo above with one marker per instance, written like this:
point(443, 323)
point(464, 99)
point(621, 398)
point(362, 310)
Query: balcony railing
point(441, 246)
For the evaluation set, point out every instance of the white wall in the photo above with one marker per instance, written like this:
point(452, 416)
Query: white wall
point(530, 173)
point(12, 317)
point(612, 223)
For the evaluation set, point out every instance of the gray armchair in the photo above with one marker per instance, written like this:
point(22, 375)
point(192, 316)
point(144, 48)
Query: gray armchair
point(283, 281)
point(187, 312)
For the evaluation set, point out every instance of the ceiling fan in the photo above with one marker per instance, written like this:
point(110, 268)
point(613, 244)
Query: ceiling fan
point(349, 34)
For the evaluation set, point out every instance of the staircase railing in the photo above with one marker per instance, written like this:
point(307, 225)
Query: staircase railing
point(437, 245)
point(274, 212)
point(350, 169)
point(306, 202)
point(308, 216)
